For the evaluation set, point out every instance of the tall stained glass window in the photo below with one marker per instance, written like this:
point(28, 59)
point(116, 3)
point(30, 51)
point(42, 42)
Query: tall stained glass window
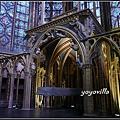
point(93, 6)
point(52, 9)
point(39, 12)
point(57, 8)
point(6, 20)
point(14, 18)
point(21, 24)
point(115, 13)
point(77, 4)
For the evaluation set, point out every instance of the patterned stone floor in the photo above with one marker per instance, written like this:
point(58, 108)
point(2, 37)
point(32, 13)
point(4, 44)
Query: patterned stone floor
point(39, 113)
point(42, 113)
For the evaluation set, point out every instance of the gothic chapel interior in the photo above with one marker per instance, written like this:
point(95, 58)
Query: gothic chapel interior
point(51, 51)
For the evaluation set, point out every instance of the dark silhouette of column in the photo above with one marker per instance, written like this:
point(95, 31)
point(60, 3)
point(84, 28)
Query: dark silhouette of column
point(12, 76)
point(105, 13)
point(47, 84)
point(68, 6)
point(88, 84)
point(0, 85)
point(27, 91)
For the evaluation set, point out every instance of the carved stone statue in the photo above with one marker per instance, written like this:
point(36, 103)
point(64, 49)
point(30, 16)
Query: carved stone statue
point(51, 35)
point(78, 61)
point(40, 54)
point(20, 66)
point(74, 46)
point(33, 68)
point(59, 34)
point(31, 41)
point(9, 66)
point(80, 28)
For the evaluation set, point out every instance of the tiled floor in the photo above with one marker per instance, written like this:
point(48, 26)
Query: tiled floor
point(42, 113)
point(39, 113)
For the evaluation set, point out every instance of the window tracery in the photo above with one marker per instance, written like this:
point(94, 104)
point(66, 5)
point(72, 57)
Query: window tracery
point(115, 14)
point(14, 16)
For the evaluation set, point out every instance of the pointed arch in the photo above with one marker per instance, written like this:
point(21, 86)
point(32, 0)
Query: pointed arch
point(112, 44)
point(69, 32)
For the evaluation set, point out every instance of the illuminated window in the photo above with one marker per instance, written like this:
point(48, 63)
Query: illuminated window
point(6, 20)
point(93, 6)
point(10, 11)
point(52, 9)
point(21, 24)
point(115, 13)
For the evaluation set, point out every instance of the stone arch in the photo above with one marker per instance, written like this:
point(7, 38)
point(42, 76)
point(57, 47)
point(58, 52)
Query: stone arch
point(102, 69)
point(68, 32)
point(4, 66)
point(108, 40)
point(16, 61)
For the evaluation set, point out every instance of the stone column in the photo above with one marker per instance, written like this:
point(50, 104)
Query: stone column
point(33, 91)
point(102, 106)
point(47, 104)
point(105, 15)
point(42, 12)
point(88, 86)
point(27, 91)
point(31, 15)
point(17, 88)
point(68, 6)
point(12, 76)
point(36, 14)
point(0, 85)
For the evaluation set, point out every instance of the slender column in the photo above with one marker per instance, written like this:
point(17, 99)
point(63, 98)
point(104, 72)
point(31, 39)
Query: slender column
point(11, 91)
point(94, 8)
point(105, 15)
point(88, 85)
point(17, 88)
point(27, 91)
point(68, 6)
point(85, 5)
point(13, 28)
point(36, 14)
point(42, 12)
point(79, 6)
point(31, 14)
point(33, 91)
point(102, 110)
point(0, 85)
point(47, 85)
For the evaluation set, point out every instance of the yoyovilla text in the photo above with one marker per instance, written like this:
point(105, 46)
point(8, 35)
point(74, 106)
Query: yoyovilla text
point(89, 93)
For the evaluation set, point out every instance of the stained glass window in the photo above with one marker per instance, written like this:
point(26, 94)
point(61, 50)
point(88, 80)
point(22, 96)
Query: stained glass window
point(47, 11)
point(57, 8)
point(39, 12)
point(21, 24)
point(6, 20)
point(52, 9)
point(10, 11)
point(77, 4)
point(115, 13)
point(93, 6)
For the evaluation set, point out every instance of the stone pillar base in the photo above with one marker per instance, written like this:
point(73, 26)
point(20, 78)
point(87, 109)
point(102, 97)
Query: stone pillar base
point(102, 113)
point(47, 106)
point(10, 107)
point(89, 115)
point(27, 109)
